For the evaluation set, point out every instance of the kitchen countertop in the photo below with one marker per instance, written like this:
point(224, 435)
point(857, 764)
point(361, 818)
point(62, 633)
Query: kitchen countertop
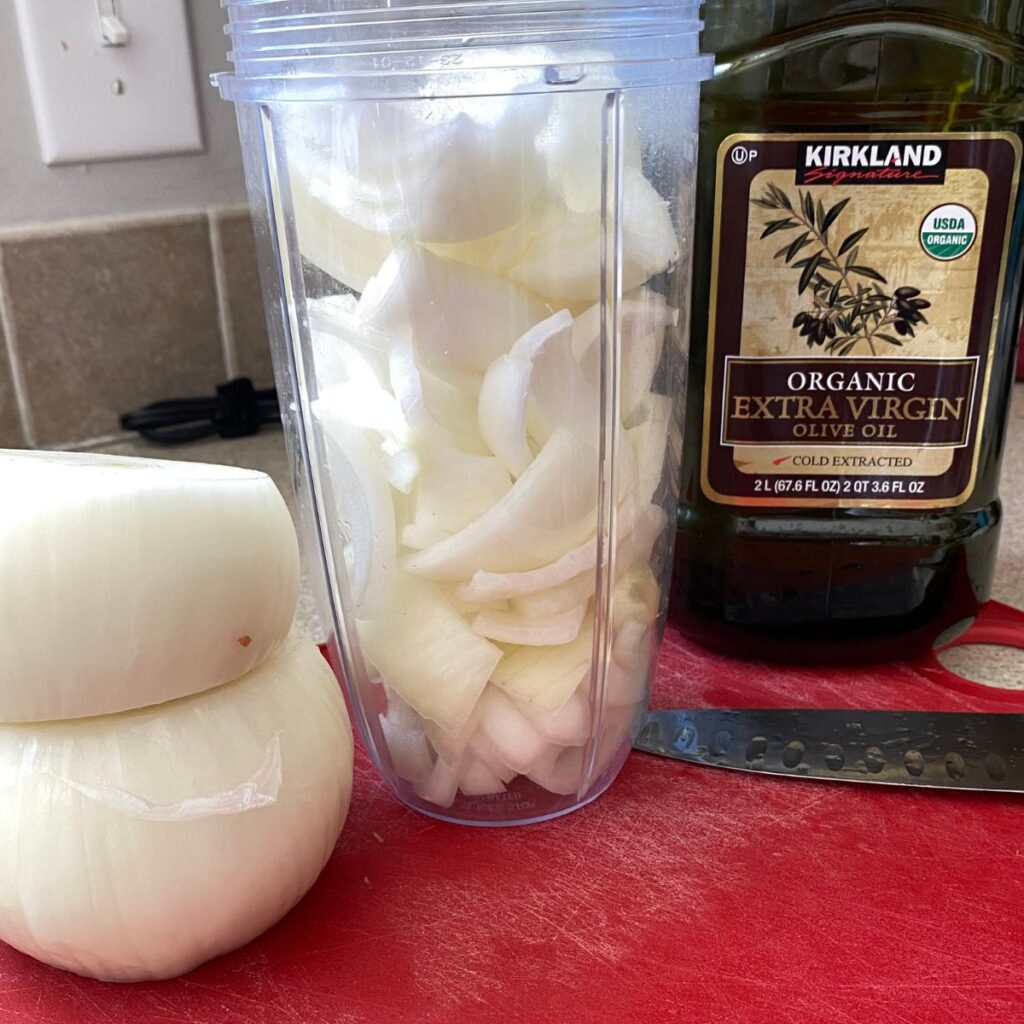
point(994, 665)
point(684, 894)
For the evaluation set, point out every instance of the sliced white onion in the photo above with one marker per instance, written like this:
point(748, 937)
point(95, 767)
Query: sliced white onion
point(562, 263)
point(452, 748)
point(399, 168)
point(451, 401)
point(505, 392)
point(560, 598)
point(633, 654)
point(426, 652)
point(572, 143)
point(652, 444)
point(342, 353)
point(634, 530)
point(374, 412)
point(562, 396)
point(349, 253)
point(616, 738)
point(569, 726)
point(549, 510)
point(139, 845)
point(458, 317)
point(560, 772)
point(454, 489)
point(337, 317)
point(511, 627)
point(439, 413)
point(643, 320)
point(477, 779)
point(364, 509)
point(350, 378)
point(482, 750)
point(545, 677)
point(514, 740)
point(637, 596)
point(129, 582)
point(470, 745)
point(441, 786)
point(408, 748)
point(635, 607)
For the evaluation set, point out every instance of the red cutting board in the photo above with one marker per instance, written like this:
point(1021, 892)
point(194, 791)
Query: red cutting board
point(684, 894)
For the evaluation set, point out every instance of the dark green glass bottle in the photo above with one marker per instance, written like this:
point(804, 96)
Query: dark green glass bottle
point(857, 299)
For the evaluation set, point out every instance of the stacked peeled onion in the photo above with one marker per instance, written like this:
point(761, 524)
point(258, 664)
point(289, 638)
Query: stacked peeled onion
point(175, 765)
point(457, 368)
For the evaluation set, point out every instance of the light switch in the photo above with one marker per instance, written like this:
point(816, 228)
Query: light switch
point(109, 78)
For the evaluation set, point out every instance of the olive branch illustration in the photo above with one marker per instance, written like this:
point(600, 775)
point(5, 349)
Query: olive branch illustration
point(845, 311)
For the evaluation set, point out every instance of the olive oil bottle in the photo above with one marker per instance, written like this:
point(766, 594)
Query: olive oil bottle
point(857, 302)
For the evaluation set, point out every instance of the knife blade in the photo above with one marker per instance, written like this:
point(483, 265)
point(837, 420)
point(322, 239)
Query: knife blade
point(945, 750)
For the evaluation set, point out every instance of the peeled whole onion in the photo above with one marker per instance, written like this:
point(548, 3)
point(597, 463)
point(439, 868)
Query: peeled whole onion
point(129, 582)
point(137, 846)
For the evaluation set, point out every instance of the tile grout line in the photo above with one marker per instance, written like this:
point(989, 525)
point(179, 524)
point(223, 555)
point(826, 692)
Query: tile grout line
point(17, 378)
point(220, 284)
point(109, 222)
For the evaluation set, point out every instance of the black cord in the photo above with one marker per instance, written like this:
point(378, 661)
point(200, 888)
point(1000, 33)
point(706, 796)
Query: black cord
point(238, 410)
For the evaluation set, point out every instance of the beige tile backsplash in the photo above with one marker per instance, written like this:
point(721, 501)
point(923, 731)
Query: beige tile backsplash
point(11, 434)
point(242, 304)
point(106, 317)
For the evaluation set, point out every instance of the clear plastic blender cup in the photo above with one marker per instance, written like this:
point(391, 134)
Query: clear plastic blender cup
point(475, 224)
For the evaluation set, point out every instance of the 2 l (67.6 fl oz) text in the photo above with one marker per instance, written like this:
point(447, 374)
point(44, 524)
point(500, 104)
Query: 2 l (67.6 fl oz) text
point(830, 487)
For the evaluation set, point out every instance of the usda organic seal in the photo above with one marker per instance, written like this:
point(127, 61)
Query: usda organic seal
point(948, 232)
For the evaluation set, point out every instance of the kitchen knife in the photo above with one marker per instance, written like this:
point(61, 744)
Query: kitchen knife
point(947, 750)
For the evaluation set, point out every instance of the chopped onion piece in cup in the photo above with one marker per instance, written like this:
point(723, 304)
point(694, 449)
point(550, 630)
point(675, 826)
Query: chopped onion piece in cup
point(441, 411)
point(549, 510)
point(629, 677)
point(476, 778)
point(556, 599)
point(545, 677)
point(561, 771)
point(515, 741)
point(637, 596)
point(511, 627)
point(408, 748)
point(568, 726)
point(458, 317)
point(637, 531)
point(397, 169)
point(364, 510)
point(644, 318)
point(562, 261)
point(346, 251)
point(427, 653)
point(441, 786)
point(375, 413)
point(454, 490)
point(505, 392)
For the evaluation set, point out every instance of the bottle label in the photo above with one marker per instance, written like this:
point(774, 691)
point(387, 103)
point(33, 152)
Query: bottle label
point(855, 298)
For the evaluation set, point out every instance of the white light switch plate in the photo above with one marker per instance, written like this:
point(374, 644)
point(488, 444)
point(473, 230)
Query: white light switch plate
point(96, 102)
